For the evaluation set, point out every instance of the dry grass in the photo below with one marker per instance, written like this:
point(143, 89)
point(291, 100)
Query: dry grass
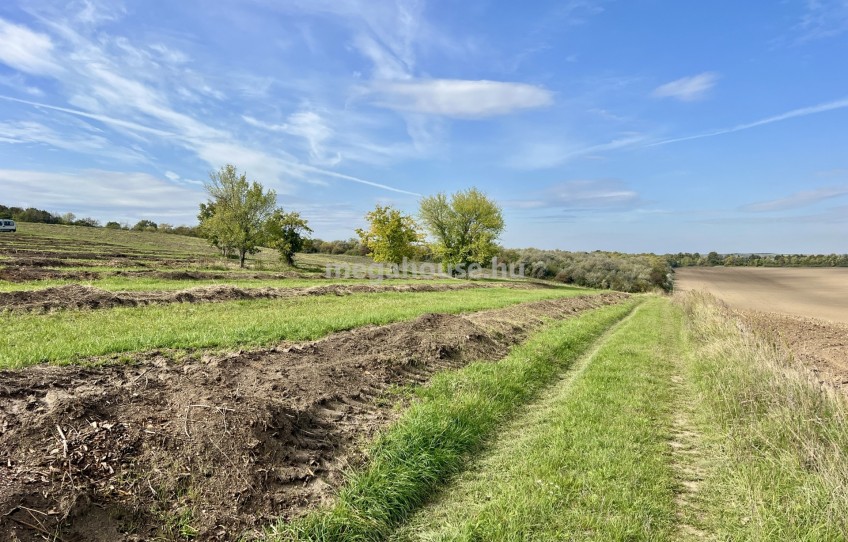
point(777, 439)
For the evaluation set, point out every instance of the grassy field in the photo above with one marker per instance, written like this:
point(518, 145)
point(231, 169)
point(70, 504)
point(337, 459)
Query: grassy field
point(67, 336)
point(674, 427)
point(653, 418)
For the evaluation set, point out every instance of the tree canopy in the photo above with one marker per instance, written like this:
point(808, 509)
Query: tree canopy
point(236, 214)
point(391, 235)
point(287, 232)
point(464, 228)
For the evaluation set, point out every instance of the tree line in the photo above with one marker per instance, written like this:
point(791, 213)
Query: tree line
point(240, 216)
point(687, 259)
point(457, 230)
point(40, 216)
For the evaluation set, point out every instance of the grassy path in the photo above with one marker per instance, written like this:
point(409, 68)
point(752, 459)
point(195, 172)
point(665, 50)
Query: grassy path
point(67, 336)
point(452, 419)
point(589, 461)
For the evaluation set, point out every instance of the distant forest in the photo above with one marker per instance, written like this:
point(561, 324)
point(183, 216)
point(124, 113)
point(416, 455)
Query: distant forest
point(685, 259)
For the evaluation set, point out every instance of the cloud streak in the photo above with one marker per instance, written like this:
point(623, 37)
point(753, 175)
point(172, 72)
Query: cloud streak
point(460, 98)
point(688, 89)
point(584, 195)
point(798, 200)
point(104, 194)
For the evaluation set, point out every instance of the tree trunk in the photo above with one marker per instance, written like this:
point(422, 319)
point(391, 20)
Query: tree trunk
point(242, 255)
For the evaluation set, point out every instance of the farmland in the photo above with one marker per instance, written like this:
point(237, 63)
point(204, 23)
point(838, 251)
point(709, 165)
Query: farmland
point(813, 292)
point(803, 309)
point(152, 390)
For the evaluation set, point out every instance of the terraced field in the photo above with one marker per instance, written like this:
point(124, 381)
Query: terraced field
point(187, 400)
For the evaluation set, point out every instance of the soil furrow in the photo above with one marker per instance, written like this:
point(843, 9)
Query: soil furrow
point(225, 443)
point(76, 296)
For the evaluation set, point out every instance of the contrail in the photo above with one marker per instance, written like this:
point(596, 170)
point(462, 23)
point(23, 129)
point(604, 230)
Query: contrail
point(102, 118)
point(354, 179)
point(800, 112)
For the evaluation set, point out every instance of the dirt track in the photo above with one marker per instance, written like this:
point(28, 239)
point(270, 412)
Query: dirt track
point(812, 292)
point(116, 452)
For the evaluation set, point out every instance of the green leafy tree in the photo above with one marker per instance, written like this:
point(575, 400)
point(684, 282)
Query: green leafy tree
point(235, 216)
point(391, 235)
point(465, 227)
point(145, 225)
point(288, 233)
point(87, 222)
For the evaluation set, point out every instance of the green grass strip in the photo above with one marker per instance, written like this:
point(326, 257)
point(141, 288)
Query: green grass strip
point(452, 418)
point(775, 441)
point(67, 336)
point(588, 461)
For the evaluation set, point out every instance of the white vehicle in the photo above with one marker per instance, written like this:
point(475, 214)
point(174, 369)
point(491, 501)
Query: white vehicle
point(8, 225)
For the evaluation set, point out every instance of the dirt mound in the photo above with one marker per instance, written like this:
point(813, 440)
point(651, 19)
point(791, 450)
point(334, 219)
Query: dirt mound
point(38, 262)
point(211, 275)
point(71, 296)
point(25, 274)
point(76, 296)
point(221, 445)
point(820, 345)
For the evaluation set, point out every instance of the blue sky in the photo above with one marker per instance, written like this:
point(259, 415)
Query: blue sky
point(635, 126)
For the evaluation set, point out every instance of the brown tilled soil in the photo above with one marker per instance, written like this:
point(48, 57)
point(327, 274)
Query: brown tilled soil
point(26, 273)
point(820, 345)
point(815, 292)
point(226, 443)
point(75, 296)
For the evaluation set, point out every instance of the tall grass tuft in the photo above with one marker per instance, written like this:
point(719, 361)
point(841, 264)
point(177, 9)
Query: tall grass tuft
point(777, 440)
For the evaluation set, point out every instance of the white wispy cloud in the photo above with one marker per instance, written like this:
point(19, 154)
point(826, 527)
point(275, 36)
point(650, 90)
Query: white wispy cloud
point(309, 125)
point(823, 19)
point(23, 132)
point(459, 98)
point(547, 154)
point(27, 50)
point(17, 82)
point(584, 194)
point(103, 194)
point(134, 89)
point(798, 200)
point(688, 89)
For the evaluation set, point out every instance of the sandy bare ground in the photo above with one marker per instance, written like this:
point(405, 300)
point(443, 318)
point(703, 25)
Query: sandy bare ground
point(812, 292)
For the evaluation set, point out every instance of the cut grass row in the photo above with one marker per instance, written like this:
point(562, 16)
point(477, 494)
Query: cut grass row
point(69, 336)
point(589, 461)
point(449, 421)
point(142, 241)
